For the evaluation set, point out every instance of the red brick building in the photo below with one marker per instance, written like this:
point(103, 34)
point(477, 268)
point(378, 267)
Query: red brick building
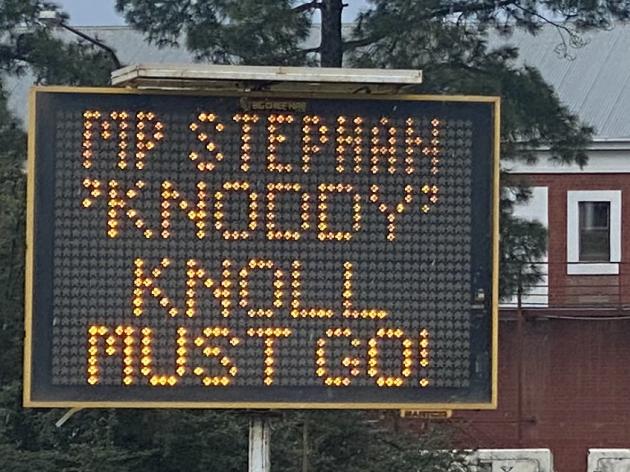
point(564, 375)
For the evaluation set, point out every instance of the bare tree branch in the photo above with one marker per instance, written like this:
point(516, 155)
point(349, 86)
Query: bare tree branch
point(563, 47)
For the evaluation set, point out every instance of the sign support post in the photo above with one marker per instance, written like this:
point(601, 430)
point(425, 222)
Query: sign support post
point(259, 443)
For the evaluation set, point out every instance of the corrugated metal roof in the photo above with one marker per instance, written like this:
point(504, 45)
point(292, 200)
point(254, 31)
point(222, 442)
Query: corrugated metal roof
point(594, 82)
point(130, 47)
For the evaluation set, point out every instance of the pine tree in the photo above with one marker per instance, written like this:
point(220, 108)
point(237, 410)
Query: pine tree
point(27, 46)
point(28, 439)
point(448, 39)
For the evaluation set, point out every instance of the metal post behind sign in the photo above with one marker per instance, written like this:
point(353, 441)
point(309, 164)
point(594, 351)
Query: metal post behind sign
point(259, 441)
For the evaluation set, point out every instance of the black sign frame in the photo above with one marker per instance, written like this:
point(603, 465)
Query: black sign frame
point(38, 389)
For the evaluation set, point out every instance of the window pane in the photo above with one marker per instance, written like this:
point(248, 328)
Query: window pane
point(594, 231)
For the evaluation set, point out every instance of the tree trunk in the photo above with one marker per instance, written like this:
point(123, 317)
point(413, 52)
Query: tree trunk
point(331, 47)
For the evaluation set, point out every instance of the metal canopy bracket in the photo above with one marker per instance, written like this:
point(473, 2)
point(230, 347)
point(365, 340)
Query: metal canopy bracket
point(265, 78)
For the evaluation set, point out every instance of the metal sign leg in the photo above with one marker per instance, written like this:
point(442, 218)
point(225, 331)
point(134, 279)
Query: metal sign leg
point(259, 440)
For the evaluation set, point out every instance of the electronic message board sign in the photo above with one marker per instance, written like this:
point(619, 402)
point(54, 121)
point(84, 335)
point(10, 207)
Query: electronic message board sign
point(251, 250)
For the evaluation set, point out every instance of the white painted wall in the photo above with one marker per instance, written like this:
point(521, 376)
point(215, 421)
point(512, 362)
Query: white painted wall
point(535, 209)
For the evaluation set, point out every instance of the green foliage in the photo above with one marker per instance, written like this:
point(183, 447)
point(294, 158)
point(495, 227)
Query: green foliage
point(190, 440)
point(524, 244)
point(53, 61)
point(214, 441)
point(358, 441)
point(446, 38)
point(119, 440)
point(458, 58)
point(12, 152)
point(28, 439)
point(28, 45)
point(225, 31)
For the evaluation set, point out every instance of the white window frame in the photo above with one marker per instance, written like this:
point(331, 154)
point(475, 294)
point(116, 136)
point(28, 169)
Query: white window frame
point(574, 197)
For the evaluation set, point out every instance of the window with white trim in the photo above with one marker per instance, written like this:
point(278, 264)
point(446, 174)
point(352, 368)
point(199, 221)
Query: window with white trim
point(594, 227)
point(593, 231)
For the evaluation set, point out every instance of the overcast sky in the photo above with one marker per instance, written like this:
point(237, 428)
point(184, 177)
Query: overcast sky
point(102, 12)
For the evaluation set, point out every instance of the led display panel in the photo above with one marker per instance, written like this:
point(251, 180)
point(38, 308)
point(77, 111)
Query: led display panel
point(251, 250)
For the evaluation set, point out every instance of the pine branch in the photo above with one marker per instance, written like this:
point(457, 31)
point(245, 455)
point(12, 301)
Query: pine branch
point(544, 19)
point(464, 8)
point(560, 28)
